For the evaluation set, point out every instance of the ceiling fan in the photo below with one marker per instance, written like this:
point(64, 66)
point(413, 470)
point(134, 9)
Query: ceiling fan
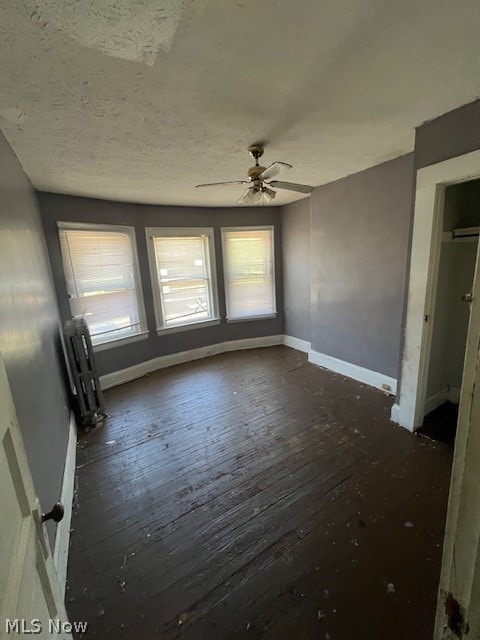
point(260, 180)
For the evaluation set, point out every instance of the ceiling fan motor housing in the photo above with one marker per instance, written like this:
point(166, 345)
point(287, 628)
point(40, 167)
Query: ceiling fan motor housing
point(255, 172)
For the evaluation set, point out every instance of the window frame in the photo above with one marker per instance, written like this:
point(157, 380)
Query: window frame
point(112, 228)
point(179, 232)
point(266, 316)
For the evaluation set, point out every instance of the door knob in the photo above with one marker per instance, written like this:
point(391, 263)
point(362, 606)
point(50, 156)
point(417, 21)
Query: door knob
point(56, 514)
point(467, 297)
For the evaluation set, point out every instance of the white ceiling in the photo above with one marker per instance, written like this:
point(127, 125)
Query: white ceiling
point(141, 100)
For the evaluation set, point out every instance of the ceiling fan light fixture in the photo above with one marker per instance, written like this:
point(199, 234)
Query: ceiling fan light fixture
point(260, 179)
point(253, 195)
point(269, 194)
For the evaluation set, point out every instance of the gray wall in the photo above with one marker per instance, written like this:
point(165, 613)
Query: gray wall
point(74, 209)
point(359, 238)
point(29, 329)
point(296, 270)
point(360, 250)
point(450, 135)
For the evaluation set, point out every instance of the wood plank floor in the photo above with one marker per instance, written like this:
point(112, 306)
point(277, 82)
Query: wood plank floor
point(254, 495)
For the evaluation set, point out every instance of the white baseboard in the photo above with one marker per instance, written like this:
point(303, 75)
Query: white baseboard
point(361, 374)
point(137, 371)
point(450, 394)
point(454, 395)
point(296, 343)
point(372, 378)
point(62, 537)
point(395, 413)
point(447, 394)
point(436, 400)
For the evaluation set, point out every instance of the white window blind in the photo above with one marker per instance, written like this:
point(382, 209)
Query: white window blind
point(249, 272)
point(183, 279)
point(100, 274)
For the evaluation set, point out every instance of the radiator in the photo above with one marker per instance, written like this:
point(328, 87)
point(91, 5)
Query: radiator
point(88, 394)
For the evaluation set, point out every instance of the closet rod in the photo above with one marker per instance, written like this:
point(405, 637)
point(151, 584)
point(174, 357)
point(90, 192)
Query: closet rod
point(467, 232)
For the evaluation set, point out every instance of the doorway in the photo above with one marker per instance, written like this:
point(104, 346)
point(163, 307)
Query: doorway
point(432, 194)
point(456, 270)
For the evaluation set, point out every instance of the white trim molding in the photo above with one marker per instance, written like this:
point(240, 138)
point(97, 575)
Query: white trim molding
point(116, 378)
point(395, 413)
point(296, 343)
point(207, 238)
point(372, 378)
point(62, 537)
point(188, 327)
point(225, 232)
point(130, 232)
point(427, 234)
point(447, 394)
point(103, 346)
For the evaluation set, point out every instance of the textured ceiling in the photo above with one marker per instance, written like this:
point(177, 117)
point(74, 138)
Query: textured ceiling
point(140, 100)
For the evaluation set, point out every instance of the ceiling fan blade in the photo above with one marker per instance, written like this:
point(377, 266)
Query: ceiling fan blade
point(274, 169)
point(291, 186)
point(221, 184)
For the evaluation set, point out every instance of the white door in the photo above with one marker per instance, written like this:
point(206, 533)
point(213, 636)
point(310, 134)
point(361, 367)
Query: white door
point(30, 598)
point(458, 611)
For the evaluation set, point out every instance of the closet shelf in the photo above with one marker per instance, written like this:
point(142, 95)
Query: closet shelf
point(467, 234)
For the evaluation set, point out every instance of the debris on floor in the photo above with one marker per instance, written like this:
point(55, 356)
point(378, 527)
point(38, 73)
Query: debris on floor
point(182, 618)
point(327, 485)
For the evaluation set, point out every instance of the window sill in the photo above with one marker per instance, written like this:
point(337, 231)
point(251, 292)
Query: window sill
point(187, 327)
point(103, 346)
point(270, 316)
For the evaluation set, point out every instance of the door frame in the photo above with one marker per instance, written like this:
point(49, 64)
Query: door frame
point(431, 182)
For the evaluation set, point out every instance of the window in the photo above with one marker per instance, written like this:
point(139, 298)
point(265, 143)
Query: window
point(248, 260)
point(182, 266)
point(101, 274)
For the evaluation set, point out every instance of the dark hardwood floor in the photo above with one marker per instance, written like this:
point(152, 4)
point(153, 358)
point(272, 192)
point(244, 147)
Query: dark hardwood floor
point(253, 495)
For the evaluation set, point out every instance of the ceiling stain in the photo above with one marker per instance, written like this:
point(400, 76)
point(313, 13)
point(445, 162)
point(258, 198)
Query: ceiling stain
point(140, 100)
point(134, 31)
